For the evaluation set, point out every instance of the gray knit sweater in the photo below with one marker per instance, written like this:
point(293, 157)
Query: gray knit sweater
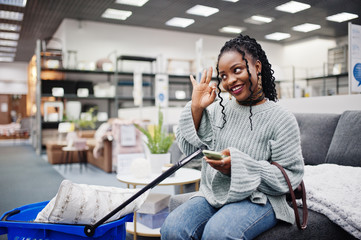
point(275, 137)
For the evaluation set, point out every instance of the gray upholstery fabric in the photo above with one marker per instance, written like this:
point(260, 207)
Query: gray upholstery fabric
point(176, 200)
point(345, 146)
point(316, 134)
point(319, 227)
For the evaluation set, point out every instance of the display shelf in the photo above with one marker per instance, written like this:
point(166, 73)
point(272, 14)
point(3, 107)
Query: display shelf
point(329, 78)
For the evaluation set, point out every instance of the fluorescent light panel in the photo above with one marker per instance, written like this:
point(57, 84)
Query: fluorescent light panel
point(17, 16)
point(6, 59)
point(17, 3)
point(232, 29)
point(116, 14)
point(137, 3)
point(2, 54)
point(8, 43)
point(306, 27)
point(10, 27)
point(277, 36)
point(9, 35)
point(259, 19)
point(180, 22)
point(202, 10)
point(342, 17)
point(7, 49)
point(231, 0)
point(293, 7)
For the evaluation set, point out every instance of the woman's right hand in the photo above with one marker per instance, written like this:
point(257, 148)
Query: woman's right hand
point(203, 94)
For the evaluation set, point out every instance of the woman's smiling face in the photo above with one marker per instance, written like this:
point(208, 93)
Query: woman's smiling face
point(234, 76)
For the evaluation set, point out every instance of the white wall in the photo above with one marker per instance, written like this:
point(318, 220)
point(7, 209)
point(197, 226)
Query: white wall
point(13, 78)
point(94, 41)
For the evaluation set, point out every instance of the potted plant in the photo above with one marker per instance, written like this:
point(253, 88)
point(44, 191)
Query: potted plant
point(158, 142)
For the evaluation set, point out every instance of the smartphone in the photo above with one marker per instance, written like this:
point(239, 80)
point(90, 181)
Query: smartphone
point(213, 155)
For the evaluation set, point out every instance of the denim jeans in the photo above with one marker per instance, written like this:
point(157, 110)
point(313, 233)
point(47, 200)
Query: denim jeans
point(197, 219)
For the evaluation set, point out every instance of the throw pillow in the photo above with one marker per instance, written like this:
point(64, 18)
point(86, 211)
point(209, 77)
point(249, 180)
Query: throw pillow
point(345, 146)
point(87, 204)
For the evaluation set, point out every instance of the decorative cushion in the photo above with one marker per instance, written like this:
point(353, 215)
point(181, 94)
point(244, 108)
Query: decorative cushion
point(316, 135)
point(345, 146)
point(87, 204)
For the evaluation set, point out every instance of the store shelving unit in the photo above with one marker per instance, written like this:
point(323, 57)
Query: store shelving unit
point(123, 82)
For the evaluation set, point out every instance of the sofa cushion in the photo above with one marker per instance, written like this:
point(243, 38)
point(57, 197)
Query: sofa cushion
point(316, 135)
point(345, 146)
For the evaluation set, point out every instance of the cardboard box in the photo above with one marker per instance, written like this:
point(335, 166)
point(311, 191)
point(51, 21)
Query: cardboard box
point(154, 203)
point(153, 220)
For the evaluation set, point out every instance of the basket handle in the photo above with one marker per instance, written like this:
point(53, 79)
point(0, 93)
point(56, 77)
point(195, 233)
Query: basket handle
point(89, 230)
point(9, 214)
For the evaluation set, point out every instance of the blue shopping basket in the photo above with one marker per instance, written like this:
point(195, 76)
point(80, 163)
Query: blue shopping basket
point(18, 223)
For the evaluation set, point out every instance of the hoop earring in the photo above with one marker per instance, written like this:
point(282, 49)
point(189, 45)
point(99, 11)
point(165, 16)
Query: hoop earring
point(230, 96)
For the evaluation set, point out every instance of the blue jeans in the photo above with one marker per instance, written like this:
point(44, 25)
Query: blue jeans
point(197, 219)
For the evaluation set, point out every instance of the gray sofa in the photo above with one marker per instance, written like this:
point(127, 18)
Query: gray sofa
point(325, 138)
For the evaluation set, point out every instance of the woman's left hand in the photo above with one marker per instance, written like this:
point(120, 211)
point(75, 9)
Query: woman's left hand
point(223, 165)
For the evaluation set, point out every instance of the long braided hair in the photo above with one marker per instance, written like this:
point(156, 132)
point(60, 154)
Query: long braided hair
point(243, 45)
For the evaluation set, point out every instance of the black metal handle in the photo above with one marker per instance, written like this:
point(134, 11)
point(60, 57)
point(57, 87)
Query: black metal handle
point(9, 214)
point(89, 230)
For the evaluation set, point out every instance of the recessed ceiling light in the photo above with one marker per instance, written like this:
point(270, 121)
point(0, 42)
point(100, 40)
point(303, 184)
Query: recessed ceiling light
point(2, 54)
point(277, 36)
point(342, 17)
point(9, 35)
point(116, 14)
point(293, 7)
point(306, 27)
point(232, 29)
point(180, 22)
point(17, 3)
point(8, 43)
point(7, 49)
point(138, 3)
point(202, 10)
point(10, 27)
point(6, 59)
point(259, 19)
point(17, 16)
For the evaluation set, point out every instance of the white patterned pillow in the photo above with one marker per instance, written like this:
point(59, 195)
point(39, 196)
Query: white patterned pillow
point(87, 204)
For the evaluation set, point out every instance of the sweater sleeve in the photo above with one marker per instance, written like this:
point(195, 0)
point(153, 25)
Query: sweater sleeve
point(249, 175)
point(188, 138)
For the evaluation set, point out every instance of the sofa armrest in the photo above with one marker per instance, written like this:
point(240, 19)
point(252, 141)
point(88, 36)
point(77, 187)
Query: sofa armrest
point(176, 200)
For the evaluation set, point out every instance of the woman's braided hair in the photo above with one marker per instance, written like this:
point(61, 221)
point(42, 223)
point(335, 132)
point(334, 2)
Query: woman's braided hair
point(243, 45)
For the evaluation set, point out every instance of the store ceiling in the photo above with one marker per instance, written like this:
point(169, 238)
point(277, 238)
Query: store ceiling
point(42, 17)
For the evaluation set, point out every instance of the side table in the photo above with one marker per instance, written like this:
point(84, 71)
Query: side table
point(182, 176)
point(67, 155)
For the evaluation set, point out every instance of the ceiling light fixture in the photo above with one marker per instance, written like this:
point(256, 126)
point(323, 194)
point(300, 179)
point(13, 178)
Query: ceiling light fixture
point(8, 43)
point(6, 59)
point(137, 3)
point(180, 22)
point(277, 36)
point(116, 14)
point(232, 29)
point(17, 16)
point(259, 19)
point(7, 49)
point(293, 7)
point(306, 27)
point(342, 17)
point(9, 35)
point(2, 54)
point(201, 10)
point(231, 0)
point(10, 27)
point(17, 3)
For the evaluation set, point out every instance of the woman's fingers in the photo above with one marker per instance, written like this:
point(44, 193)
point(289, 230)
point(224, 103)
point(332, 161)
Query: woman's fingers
point(194, 82)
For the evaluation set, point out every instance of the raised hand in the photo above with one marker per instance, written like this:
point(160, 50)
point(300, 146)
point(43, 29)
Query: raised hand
point(203, 94)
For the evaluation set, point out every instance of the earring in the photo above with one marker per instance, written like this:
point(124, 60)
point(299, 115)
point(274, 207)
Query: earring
point(259, 80)
point(230, 96)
